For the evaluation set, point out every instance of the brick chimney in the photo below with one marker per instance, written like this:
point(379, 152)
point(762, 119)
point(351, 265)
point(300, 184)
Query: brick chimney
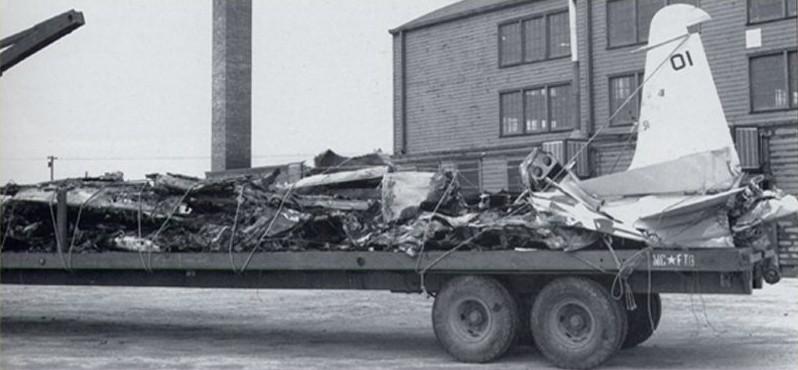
point(231, 141)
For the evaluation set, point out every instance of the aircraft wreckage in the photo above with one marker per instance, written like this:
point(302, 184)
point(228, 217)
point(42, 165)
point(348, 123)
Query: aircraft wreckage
point(683, 188)
point(696, 200)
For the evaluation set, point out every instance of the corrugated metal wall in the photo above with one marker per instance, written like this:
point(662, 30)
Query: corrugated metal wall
point(747, 142)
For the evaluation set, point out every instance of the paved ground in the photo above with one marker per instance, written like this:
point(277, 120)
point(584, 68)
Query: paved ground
point(144, 328)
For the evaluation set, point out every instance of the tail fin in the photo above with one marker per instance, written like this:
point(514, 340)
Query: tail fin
point(680, 111)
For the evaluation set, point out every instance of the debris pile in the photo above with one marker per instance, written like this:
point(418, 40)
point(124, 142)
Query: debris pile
point(369, 208)
point(375, 207)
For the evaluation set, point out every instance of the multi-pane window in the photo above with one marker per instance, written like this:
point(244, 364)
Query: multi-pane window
point(621, 88)
point(628, 21)
point(534, 38)
point(774, 81)
point(768, 10)
point(537, 110)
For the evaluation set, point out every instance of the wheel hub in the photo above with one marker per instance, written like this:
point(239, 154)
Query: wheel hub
point(574, 323)
point(472, 319)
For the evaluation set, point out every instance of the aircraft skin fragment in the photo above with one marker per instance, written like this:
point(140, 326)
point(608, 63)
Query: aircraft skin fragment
point(699, 173)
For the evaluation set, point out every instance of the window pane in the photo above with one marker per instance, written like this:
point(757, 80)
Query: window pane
point(535, 34)
point(561, 108)
point(794, 79)
point(768, 82)
point(620, 89)
point(510, 45)
point(511, 113)
point(468, 172)
point(559, 35)
point(791, 7)
point(536, 110)
point(514, 184)
point(621, 22)
point(645, 13)
point(763, 10)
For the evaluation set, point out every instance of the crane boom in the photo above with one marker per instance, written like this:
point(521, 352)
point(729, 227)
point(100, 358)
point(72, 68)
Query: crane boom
point(17, 47)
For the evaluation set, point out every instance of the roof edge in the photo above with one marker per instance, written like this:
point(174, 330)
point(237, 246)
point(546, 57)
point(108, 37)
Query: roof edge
point(413, 25)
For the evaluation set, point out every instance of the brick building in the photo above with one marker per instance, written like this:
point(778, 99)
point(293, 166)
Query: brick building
point(478, 83)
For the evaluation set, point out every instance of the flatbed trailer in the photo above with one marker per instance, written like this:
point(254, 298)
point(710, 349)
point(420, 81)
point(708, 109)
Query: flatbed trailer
point(572, 302)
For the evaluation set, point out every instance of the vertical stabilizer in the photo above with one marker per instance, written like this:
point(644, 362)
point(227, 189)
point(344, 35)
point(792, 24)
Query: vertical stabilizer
point(680, 111)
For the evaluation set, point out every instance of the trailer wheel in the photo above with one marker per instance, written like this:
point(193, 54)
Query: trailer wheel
point(640, 324)
point(524, 335)
point(576, 323)
point(475, 318)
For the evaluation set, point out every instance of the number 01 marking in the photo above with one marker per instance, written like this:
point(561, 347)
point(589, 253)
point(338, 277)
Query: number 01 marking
point(678, 61)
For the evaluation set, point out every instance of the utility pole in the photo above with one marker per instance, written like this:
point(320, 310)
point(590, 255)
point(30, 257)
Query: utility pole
point(51, 164)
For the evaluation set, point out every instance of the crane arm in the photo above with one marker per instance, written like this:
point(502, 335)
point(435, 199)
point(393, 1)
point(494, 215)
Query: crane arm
point(17, 47)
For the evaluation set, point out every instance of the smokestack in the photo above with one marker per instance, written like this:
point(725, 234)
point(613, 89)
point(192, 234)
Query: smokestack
point(231, 141)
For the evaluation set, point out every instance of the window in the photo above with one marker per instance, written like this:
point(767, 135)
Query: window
point(534, 39)
point(559, 35)
point(560, 107)
point(774, 81)
point(514, 184)
point(510, 43)
point(511, 111)
point(468, 176)
point(621, 88)
point(768, 10)
point(544, 109)
point(535, 112)
point(628, 21)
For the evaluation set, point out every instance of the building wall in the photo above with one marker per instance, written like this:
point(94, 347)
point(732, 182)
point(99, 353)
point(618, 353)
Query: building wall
point(453, 81)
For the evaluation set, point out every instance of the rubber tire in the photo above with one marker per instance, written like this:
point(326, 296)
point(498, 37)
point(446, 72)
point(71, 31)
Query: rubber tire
point(640, 328)
point(504, 320)
point(607, 314)
point(524, 335)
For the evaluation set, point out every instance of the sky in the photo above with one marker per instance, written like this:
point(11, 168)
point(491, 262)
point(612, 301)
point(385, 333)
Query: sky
point(130, 91)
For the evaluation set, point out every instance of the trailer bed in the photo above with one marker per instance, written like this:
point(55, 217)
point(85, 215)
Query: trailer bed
point(687, 270)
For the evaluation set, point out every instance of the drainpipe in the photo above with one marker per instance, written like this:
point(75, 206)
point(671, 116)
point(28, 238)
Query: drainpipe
point(589, 78)
point(572, 21)
point(403, 111)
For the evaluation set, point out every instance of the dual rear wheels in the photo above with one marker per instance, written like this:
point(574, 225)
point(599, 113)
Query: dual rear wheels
point(574, 321)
